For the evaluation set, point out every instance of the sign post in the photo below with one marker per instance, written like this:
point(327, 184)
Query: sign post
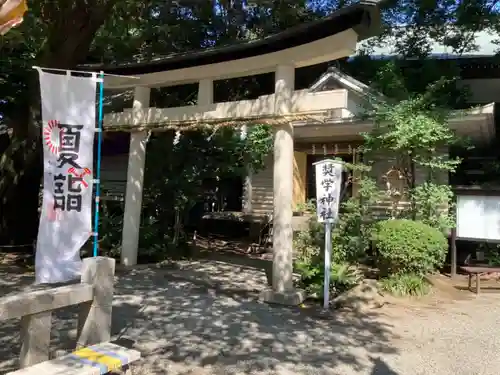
point(328, 186)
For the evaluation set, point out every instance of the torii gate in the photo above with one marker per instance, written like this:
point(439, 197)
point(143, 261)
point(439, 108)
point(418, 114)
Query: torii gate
point(325, 40)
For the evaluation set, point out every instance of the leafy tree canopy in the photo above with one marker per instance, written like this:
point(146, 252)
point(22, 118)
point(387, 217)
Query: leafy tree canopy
point(65, 33)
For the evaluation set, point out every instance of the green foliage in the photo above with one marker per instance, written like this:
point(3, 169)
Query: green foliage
point(308, 244)
point(63, 34)
point(255, 147)
point(350, 240)
point(409, 247)
point(342, 277)
point(434, 205)
point(307, 207)
point(493, 258)
point(403, 285)
point(411, 124)
point(175, 181)
point(178, 172)
point(427, 22)
point(414, 129)
point(351, 234)
point(110, 227)
point(491, 253)
point(399, 79)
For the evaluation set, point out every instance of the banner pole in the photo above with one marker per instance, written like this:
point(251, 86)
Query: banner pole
point(98, 165)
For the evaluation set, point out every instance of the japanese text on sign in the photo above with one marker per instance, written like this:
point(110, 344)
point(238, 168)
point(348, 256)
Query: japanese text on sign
point(328, 184)
point(69, 180)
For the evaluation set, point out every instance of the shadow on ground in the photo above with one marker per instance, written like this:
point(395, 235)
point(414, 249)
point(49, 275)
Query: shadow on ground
point(181, 326)
point(381, 368)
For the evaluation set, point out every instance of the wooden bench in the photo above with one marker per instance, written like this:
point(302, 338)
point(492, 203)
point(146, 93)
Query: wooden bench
point(478, 271)
point(97, 359)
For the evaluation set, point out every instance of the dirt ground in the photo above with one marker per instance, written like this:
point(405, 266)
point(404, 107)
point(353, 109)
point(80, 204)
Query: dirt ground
point(202, 316)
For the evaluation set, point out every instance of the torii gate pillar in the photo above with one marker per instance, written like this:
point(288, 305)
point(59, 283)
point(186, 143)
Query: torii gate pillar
point(135, 182)
point(282, 290)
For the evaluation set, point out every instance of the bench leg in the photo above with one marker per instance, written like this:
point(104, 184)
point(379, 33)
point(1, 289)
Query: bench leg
point(35, 338)
point(478, 280)
point(470, 282)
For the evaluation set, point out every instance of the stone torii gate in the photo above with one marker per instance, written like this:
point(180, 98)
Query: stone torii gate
point(325, 40)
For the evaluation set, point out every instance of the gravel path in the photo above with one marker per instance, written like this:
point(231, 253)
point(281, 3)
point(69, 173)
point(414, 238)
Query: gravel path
point(184, 327)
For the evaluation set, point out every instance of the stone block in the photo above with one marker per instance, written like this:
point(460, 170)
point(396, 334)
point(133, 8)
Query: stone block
point(35, 338)
point(100, 273)
point(30, 303)
point(364, 296)
point(94, 324)
point(94, 319)
point(290, 298)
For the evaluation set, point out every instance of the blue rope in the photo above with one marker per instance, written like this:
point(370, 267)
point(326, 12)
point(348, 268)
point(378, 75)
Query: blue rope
point(98, 167)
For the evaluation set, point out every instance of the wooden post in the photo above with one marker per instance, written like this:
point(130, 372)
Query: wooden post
point(94, 319)
point(453, 250)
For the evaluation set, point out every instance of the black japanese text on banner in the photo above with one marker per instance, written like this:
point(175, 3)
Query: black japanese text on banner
point(68, 117)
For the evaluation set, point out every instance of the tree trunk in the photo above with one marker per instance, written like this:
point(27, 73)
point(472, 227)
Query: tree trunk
point(21, 169)
point(413, 172)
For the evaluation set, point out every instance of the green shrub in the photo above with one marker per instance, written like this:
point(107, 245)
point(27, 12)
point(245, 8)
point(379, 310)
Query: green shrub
point(491, 253)
point(308, 244)
point(350, 234)
point(411, 247)
point(432, 205)
point(342, 277)
point(405, 285)
point(350, 240)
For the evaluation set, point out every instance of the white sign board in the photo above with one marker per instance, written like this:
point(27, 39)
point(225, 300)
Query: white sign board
point(328, 186)
point(478, 217)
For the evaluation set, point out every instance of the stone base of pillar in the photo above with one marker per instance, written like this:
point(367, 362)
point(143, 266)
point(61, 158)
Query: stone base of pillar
point(290, 298)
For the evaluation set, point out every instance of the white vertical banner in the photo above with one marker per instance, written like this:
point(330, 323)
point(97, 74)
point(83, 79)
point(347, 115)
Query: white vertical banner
point(68, 126)
point(328, 186)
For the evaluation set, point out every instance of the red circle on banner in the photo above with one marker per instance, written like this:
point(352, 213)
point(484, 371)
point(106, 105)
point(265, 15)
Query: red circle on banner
point(51, 136)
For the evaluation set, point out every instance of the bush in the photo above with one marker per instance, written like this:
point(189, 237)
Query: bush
point(342, 277)
point(406, 285)
point(409, 247)
point(432, 205)
point(308, 244)
point(350, 234)
point(350, 240)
